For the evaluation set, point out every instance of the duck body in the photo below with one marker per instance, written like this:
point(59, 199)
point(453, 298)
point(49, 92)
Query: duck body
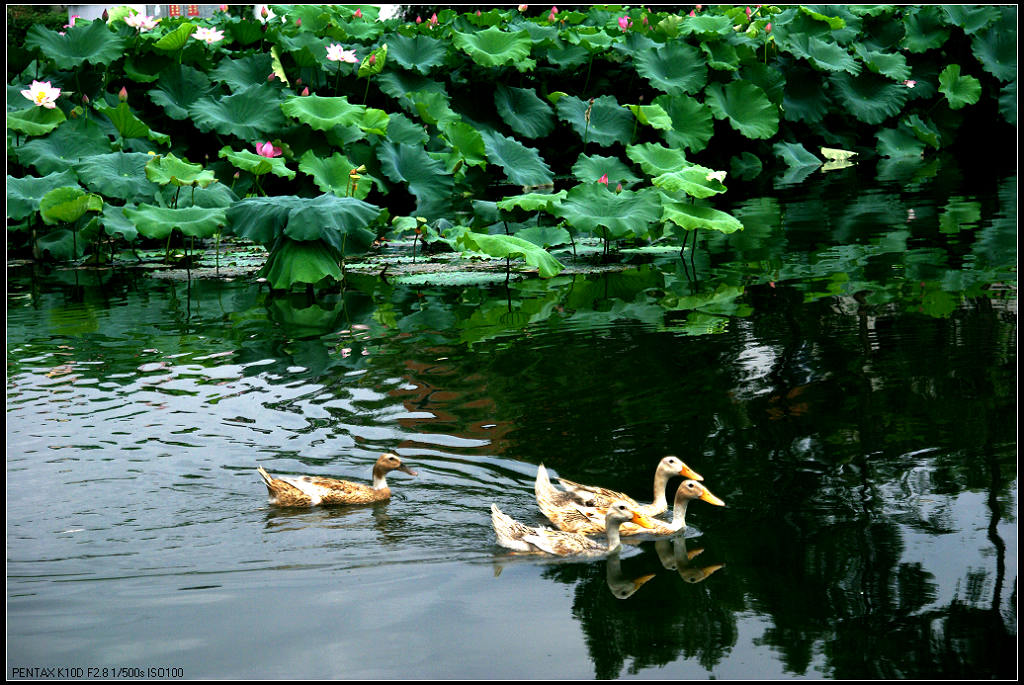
point(309, 491)
point(542, 540)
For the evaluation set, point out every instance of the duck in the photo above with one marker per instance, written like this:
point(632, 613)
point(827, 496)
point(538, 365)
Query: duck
point(522, 538)
point(600, 498)
point(309, 491)
point(588, 520)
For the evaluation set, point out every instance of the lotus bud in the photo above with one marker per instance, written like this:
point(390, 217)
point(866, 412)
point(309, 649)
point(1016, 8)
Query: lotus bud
point(298, 81)
point(419, 20)
point(359, 13)
point(298, 22)
point(106, 15)
point(748, 14)
point(478, 13)
point(372, 60)
point(263, 12)
point(768, 28)
point(618, 187)
point(305, 91)
point(271, 76)
point(122, 95)
point(223, 8)
point(85, 99)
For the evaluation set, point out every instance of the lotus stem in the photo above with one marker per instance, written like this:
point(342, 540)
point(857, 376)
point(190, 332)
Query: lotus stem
point(366, 93)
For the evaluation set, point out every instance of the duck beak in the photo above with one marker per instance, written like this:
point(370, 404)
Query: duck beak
point(637, 582)
point(405, 469)
point(711, 499)
point(687, 472)
point(641, 520)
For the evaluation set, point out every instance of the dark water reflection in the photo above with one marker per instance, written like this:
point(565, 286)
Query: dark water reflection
point(842, 372)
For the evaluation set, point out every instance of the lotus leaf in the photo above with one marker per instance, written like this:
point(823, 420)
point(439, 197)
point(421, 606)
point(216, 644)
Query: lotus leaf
point(69, 142)
point(176, 39)
point(24, 194)
point(467, 142)
point(694, 180)
point(35, 121)
point(339, 222)
point(374, 62)
point(692, 125)
point(804, 100)
point(86, 41)
point(610, 215)
point(589, 169)
point(692, 217)
point(262, 219)
point(1008, 102)
point(657, 159)
point(959, 90)
point(68, 204)
point(996, 49)
point(116, 223)
point(925, 29)
point(256, 164)
point(675, 68)
point(796, 155)
point(509, 246)
point(402, 129)
point(545, 236)
point(721, 55)
point(164, 169)
point(418, 53)
point(891, 64)
point(178, 88)
point(971, 18)
point(300, 262)
point(117, 174)
point(493, 47)
point(609, 123)
point(331, 174)
point(651, 115)
point(524, 112)
point(129, 125)
point(533, 202)
point(249, 114)
point(323, 113)
point(747, 108)
point(158, 222)
point(239, 74)
point(523, 165)
point(425, 176)
point(870, 97)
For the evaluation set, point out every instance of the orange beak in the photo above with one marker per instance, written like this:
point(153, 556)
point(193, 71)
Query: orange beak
point(687, 472)
point(711, 499)
point(641, 520)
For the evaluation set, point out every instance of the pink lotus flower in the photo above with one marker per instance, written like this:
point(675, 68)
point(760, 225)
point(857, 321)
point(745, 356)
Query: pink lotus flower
point(141, 22)
point(372, 60)
point(624, 23)
point(522, 8)
point(419, 20)
point(910, 84)
point(208, 35)
point(223, 8)
point(298, 22)
point(336, 53)
point(42, 94)
point(267, 149)
point(603, 179)
point(748, 14)
point(433, 20)
point(692, 14)
point(71, 21)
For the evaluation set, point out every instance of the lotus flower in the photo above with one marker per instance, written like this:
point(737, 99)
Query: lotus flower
point(522, 8)
point(223, 8)
point(71, 21)
point(141, 22)
point(624, 23)
point(603, 179)
point(122, 94)
point(208, 35)
point(433, 20)
point(42, 94)
point(910, 84)
point(336, 53)
point(267, 149)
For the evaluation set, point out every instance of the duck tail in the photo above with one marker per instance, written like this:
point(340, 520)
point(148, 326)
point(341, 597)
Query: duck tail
point(542, 486)
point(267, 479)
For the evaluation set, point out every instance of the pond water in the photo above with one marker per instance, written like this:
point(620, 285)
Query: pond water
point(842, 373)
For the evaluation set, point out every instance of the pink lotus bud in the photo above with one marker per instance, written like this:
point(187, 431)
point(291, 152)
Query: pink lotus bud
point(106, 15)
point(272, 76)
point(372, 60)
point(768, 28)
point(433, 19)
point(554, 10)
point(263, 12)
point(122, 95)
point(618, 187)
point(522, 8)
point(692, 14)
point(298, 81)
point(748, 14)
point(85, 99)
point(359, 13)
point(223, 8)
point(298, 22)
point(419, 20)
point(305, 91)
point(698, 7)
point(478, 13)
point(238, 174)
point(603, 179)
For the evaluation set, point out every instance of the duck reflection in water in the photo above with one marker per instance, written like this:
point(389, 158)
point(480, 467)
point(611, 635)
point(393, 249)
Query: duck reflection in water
point(675, 557)
point(622, 586)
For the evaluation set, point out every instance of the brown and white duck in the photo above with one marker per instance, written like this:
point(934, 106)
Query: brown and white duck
point(522, 538)
point(308, 491)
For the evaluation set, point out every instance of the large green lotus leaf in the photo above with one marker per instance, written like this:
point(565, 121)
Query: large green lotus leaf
point(402, 129)
point(524, 112)
point(593, 207)
point(331, 174)
point(533, 202)
point(214, 195)
point(300, 262)
point(795, 155)
point(747, 108)
point(590, 168)
point(657, 159)
point(523, 165)
point(925, 130)
point(117, 174)
point(651, 115)
point(177, 89)
point(592, 38)
point(164, 169)
point(433, 107)
point(61, 244)
point(250, 114)
point(834, 23)
point(24, 194)
point(869, 97)
point(971, 18)
point(145, 68)
point(824, 54)
point(262, 219)
point(340, 222)
point(129, 125)
point(239, 74)
point(805, 100)
point(72, 140)
point(176, 39)
point(418, 53)
point(567, 57)
point(398, 84)
point(959, 90)
point(245, 32)
point(314, 18)
point(692, 217)
point(721, 55)
point(158, 222)
point(493, 47)
point(116, 223)
point(696, 181)
point(925, 27)
point(1008, 102)
point(323, 113)
point(467, 142)
point(890, 64)
point(545, 236)
point(426, 177)
point(256, 164)
point(509, 246)
point(996, 49)
point(706, 25)
point(306, 48)
point(86, 41)
point(609, 123)
point(67, 204)
point(675, 67)
point(35, 121)
point(692, 125)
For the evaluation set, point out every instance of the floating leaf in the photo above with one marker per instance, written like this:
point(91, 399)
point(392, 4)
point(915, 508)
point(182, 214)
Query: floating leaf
point(836, 154)
point(158, 222)
point(545, 236)
point(524, 112)
point(959, 90)
point(675, 68)
point(67, 204)
point(523, 165)
point(493, 47)
point(609, 123)
point(747, 108)
point(35, 121)
point(86, 41)
point(256, 164)
point(508, 246)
